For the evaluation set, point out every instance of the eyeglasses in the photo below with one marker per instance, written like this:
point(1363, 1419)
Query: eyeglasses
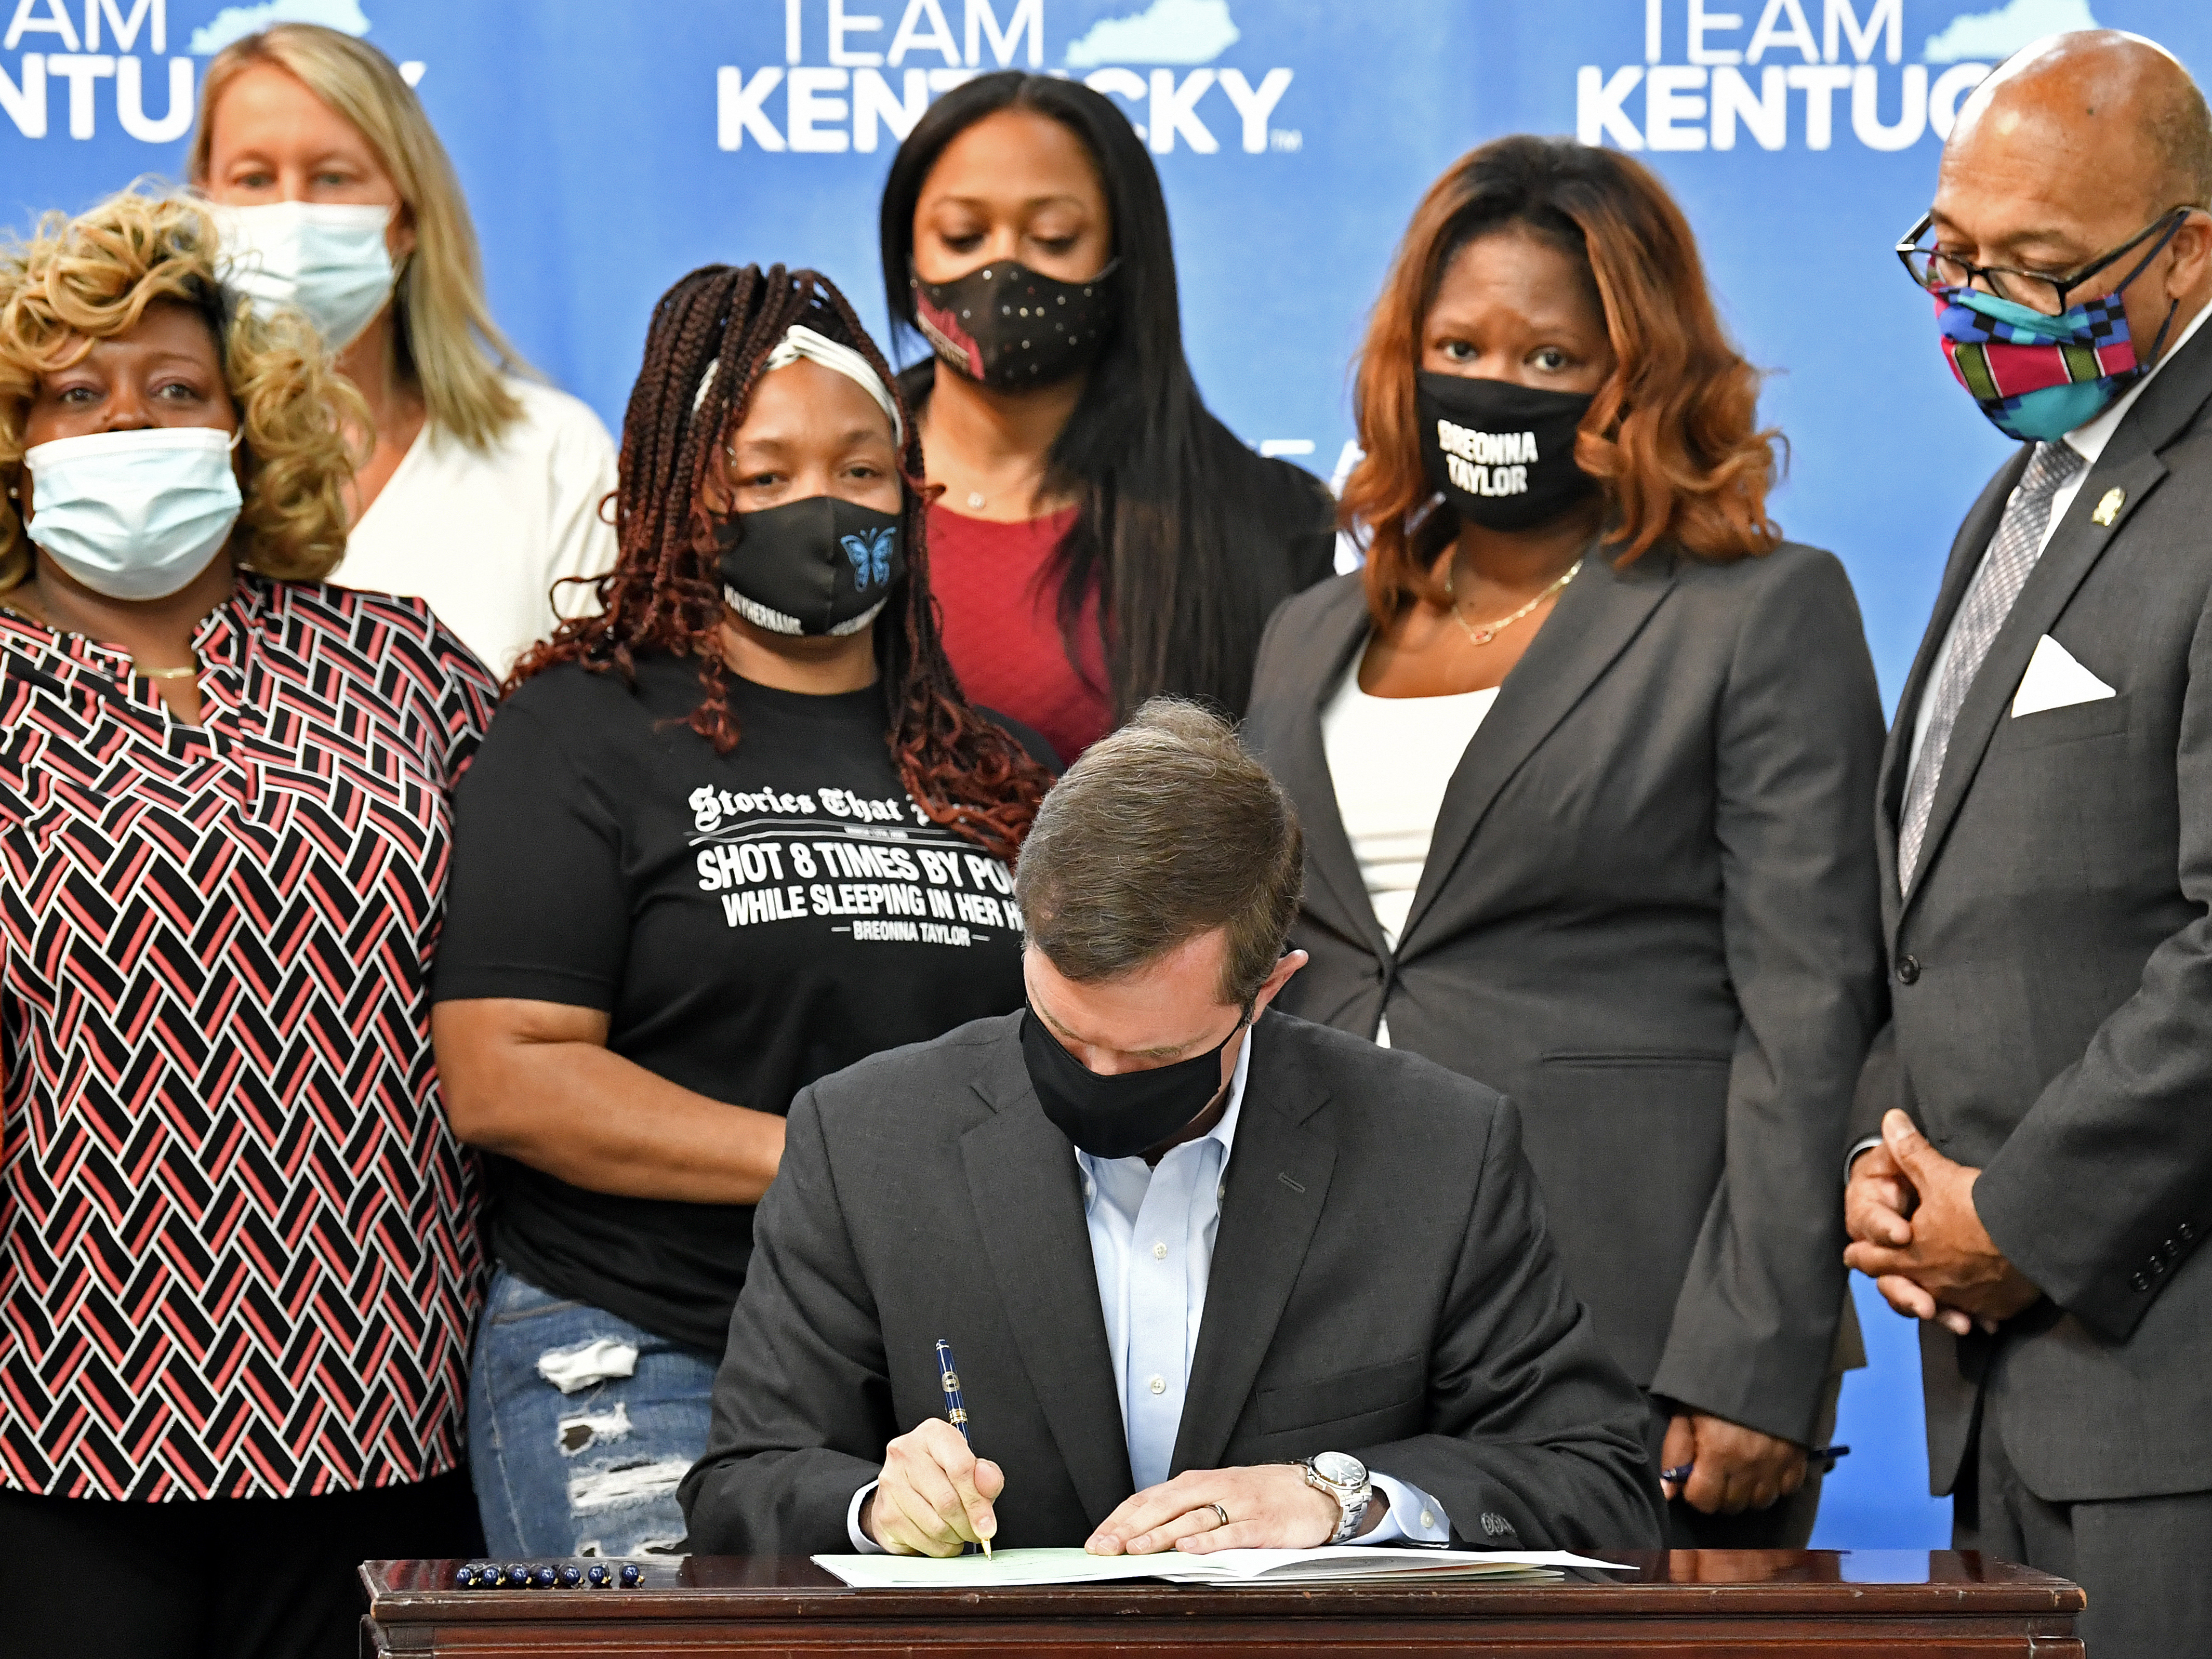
point(2035, 289)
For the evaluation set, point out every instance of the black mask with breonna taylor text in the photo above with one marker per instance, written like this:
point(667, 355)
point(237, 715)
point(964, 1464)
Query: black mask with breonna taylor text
point(1127, 1113)
point(822, 565)
point(1503, 454)
point(1011, 327)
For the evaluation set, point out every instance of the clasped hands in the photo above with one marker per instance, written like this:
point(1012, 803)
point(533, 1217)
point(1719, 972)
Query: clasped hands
point(934, 1496)
point(1910, 1211)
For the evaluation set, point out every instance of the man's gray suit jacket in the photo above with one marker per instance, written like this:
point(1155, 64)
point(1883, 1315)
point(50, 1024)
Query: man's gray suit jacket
point(1381, 1285)
point(2051, 973)
point(1649, 916)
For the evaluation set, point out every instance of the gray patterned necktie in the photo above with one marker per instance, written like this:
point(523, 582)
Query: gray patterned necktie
point(2012, 554)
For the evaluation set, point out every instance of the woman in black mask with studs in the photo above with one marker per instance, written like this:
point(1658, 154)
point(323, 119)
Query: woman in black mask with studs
point(1585, 758)
point(736, 831)
point(1101, 536)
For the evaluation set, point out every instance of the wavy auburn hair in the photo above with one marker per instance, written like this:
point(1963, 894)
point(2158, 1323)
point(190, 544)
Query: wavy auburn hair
point(665, 594)
point(1672, 435)
point(84, 280)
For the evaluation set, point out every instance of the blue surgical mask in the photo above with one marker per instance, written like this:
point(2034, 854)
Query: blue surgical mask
point(326, 260)
point(135, 516)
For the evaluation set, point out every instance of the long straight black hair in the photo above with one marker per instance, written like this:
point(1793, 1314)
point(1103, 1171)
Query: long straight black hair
point(1184, 532)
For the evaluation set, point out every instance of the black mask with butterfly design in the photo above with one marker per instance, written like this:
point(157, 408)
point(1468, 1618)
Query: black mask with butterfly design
point(819, 566)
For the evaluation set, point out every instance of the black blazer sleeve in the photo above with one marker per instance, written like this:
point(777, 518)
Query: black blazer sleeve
point(1798, 745)
point(1535, 1439)
point(1880, 1086)
point(810, 1413)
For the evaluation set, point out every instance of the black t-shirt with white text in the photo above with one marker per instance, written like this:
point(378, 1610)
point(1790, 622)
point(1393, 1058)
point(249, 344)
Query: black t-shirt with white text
point(749, 922)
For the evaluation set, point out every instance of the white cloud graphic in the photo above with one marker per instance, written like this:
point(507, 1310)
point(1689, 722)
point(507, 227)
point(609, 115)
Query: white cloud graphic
point(236, 22)
point(1165, 31)
point(1988, 36)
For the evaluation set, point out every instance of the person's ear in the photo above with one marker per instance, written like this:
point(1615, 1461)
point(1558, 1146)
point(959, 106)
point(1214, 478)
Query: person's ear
point(2191, 248)
point(1289, 964)
point(399, 238)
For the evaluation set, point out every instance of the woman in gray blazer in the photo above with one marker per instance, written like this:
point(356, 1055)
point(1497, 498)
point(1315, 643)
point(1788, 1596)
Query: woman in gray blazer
point(1585, 758)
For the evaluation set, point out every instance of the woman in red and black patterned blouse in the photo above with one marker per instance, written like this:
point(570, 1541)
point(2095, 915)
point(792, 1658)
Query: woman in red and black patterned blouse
point(238, 1262)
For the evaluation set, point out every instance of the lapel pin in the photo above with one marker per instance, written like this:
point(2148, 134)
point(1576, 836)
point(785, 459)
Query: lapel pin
point(2108, 508)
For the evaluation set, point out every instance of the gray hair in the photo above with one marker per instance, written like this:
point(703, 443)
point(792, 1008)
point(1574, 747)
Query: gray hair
point(2181, 134)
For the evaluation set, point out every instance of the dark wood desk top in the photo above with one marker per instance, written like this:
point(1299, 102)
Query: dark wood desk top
point(1715, 1603)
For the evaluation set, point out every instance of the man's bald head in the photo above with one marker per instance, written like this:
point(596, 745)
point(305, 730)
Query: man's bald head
point(2111, 104)
point(2079, 146)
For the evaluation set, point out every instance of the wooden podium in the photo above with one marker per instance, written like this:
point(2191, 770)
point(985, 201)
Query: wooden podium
point(1712, 1604)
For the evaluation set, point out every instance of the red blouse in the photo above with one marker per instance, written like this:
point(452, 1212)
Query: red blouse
point(1000, 598)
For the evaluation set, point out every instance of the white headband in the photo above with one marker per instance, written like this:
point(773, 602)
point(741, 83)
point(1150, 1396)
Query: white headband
point(800, 341)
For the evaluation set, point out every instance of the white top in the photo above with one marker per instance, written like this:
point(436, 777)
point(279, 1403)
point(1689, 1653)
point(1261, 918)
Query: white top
point(483, 535)
point(2088, 441)
point(1390, 759)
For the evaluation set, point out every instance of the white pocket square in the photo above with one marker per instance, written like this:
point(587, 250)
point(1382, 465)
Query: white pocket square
point(2054, 680)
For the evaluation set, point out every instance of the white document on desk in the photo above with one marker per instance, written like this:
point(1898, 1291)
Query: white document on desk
point(1344, 1563)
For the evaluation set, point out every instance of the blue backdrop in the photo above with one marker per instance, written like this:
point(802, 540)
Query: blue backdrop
point(607, 148)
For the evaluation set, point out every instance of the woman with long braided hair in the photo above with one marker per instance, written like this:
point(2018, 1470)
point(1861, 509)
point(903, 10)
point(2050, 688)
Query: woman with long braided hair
point(736, 830)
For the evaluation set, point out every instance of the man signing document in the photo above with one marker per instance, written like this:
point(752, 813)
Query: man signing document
point(1217, 1277)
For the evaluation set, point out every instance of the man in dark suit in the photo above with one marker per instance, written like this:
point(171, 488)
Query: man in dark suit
point(2045, 828)
point(1215, 1278)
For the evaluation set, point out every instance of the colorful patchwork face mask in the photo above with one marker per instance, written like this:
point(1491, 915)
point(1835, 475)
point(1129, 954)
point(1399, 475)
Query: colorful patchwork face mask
point(2038, 376)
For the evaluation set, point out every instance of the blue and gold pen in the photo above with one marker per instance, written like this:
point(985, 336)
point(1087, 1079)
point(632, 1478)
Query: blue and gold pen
point(949, 1375)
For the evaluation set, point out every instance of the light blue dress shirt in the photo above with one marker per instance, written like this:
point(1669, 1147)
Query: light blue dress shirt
point(1152, 1230)
point(1151, 1241)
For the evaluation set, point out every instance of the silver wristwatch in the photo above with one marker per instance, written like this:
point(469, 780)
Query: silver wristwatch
point(1344, 1478)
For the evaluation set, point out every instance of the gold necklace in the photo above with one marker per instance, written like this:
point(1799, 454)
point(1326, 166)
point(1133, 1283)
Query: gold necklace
point(1482, 633)
point(169, 674)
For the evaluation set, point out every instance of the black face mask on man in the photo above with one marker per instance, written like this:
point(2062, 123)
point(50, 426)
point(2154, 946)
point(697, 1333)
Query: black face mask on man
point(1011, 327)
point(1503, 455)
point(1122, 1115)
point(819, 566)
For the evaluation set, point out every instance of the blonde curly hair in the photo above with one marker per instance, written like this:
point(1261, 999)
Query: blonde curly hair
point(90, 278)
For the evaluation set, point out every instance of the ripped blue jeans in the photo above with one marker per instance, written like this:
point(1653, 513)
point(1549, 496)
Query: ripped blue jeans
point(580, 1425)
